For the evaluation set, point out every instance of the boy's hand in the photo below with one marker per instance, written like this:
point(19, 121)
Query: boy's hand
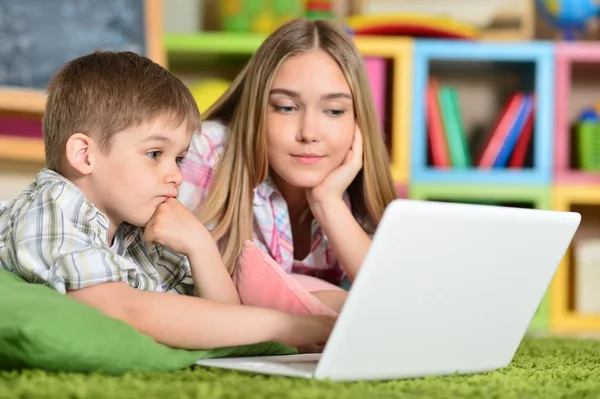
point(304, 331)
point(175, 227)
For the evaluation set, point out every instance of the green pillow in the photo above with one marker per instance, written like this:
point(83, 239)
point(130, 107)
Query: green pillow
point(40, 328)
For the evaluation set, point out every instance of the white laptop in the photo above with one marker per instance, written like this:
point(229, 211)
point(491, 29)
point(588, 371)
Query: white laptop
point(445, 288)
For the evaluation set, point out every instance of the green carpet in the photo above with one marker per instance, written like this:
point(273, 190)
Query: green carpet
point(542, 368)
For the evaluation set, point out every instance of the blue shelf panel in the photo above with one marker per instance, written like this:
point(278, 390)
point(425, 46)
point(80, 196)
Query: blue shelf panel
point(540, 54)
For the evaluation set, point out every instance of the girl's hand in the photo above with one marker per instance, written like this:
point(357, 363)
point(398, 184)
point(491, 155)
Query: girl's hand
point(175, 227)
point(333, 186)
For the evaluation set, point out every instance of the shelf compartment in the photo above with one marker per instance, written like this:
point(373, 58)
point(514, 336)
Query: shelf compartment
point(564, 316)
point(576, 69)
point(531, 67)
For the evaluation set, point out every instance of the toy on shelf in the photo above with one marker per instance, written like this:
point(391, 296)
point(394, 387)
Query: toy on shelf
point(570, 16)
point(411, 24)
point(259, 16)
point(322, 9)
point(588, 140)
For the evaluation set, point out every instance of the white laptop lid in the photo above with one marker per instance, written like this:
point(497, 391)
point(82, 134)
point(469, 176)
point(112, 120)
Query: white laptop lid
point(446, 288)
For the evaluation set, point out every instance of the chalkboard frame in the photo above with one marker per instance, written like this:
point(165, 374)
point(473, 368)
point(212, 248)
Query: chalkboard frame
point(33, 101)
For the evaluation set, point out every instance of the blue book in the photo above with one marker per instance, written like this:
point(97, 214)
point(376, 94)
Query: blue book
point(525, 110)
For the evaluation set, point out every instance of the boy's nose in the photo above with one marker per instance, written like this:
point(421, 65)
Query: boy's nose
point(175, 177)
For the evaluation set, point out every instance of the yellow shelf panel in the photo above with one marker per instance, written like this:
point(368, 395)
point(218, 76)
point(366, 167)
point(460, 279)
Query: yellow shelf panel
point(562, 318)
point(22, 100)
point(400, 51)
point(22, 149)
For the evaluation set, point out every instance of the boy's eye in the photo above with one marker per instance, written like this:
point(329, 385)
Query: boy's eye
point(154, 154)
point(179, 160)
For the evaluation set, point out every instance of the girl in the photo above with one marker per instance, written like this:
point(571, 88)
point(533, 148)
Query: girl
point(292, 157)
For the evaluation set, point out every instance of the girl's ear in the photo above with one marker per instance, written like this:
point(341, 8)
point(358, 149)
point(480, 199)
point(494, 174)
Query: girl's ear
point(80, 153)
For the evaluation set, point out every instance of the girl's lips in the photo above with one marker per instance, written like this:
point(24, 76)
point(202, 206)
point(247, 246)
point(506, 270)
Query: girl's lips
point(307, 159)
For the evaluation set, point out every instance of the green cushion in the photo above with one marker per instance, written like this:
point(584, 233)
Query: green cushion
point(40, 328)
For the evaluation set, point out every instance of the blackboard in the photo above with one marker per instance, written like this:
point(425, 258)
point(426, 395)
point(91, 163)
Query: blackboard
point(37, 37)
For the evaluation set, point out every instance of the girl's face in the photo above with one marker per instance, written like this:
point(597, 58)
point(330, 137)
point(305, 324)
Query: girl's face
point(310, 120)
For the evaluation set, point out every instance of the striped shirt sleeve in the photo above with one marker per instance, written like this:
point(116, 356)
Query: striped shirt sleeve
point(59, 243)
point(199, 165)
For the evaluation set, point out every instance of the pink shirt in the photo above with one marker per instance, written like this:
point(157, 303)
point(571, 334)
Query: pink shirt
point(272, 230)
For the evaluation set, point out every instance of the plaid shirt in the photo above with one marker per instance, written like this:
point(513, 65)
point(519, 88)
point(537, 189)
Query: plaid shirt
point(52, 235)
point(272, 229)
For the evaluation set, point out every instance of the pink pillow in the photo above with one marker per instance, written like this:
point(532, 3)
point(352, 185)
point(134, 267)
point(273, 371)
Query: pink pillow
point(313, 284)
point(261, 282)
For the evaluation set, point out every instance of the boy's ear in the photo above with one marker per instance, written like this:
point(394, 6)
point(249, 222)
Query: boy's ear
point(80, 153)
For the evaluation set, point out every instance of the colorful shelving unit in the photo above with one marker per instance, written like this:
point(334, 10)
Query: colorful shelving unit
point(526, 187)
point(563, 316)
point(566, 55)
point(572, 188)
point(399, 51)
point(542, 83)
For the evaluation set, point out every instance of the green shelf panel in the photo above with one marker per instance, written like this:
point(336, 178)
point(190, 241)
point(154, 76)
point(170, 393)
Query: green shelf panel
point(539, 196)
point(213, 42)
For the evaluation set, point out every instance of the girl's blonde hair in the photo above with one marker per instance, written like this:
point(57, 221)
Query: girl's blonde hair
point(228, 205)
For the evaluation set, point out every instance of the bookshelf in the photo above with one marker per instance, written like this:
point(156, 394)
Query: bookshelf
point(399, 51)
point(533, 70)
point(564, 316)
point(570, 56)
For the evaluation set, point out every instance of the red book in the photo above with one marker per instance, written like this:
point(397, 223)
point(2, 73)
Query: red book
point(435, 128)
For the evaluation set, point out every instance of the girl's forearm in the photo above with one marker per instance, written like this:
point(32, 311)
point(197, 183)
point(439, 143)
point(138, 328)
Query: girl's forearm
point(347, 238)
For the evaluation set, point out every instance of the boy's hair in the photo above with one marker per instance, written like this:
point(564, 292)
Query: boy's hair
point(104, 92)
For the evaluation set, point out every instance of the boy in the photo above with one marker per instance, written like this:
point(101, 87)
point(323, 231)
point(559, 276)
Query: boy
point(101, 222)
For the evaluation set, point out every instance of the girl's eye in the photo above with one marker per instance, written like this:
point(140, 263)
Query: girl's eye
point(335, 112)
point(179, 160)
point(285, 109)
point(154, 154)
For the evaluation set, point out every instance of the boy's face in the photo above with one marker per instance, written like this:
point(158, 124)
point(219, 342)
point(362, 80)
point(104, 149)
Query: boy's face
point(140, 170)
